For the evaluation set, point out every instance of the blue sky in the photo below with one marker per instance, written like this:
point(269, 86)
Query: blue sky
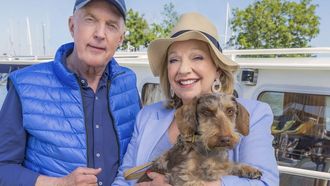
point(52, 16)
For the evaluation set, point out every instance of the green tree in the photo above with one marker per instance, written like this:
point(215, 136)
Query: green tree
point(137, 31)
point(140, 33)
point(155, 31)
point(274, 24)
point(170, 17)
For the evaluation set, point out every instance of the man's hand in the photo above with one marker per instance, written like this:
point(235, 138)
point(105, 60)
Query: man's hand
point(80, 176)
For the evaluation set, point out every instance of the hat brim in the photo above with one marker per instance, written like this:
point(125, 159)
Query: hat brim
point(157, 51)
point(120, 8)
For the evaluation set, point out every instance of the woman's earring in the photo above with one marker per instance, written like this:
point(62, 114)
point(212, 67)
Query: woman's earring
point(172, 93)
point(216, 86)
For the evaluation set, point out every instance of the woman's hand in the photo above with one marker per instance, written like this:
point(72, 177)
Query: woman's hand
point(157, 180)
point(213, 183)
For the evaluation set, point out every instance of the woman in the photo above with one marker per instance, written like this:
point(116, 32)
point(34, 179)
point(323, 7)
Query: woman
point(189, 64)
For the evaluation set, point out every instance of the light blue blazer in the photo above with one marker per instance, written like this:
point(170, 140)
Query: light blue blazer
point(255, 149)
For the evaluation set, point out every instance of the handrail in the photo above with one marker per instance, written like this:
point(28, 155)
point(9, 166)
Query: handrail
point(233, 53)
point(304, 172)
point(315, 50)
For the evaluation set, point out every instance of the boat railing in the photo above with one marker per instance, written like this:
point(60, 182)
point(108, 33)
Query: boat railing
point(234, 53)
point(314, 50)
point(231, 53)
point(304, 172)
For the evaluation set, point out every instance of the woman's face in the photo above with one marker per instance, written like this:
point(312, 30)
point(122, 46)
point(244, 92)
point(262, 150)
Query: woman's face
point(191, 71)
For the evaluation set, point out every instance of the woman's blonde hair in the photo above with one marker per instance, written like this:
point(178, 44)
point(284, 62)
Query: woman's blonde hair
point(226, 78)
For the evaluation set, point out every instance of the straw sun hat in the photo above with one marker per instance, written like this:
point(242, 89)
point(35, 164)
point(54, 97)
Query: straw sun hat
point(189, 26)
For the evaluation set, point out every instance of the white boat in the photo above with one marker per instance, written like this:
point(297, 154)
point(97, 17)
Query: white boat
point(296, 88)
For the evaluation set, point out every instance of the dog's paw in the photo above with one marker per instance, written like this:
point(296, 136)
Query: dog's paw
point(248, 172)
point(254, 174)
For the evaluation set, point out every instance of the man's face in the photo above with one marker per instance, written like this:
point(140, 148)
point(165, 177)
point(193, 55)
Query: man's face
point(97, 30)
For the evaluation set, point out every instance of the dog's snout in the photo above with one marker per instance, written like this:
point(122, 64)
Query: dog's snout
point(224, 140)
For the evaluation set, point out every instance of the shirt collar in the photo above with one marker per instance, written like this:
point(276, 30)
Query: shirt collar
point(83, 82)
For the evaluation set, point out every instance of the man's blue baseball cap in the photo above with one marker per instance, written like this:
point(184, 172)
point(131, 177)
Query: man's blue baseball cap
point(119, 4)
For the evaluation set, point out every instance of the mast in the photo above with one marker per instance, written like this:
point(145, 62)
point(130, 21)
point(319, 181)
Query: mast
point(43, 39)
point(29, 35)
point(11, 41)
point(227, 23)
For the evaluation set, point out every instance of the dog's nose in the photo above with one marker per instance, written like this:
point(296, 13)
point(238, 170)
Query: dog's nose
point(224, 140)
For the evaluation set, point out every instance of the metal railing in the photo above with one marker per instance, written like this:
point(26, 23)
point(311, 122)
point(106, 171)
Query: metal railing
point(304, 172)
point(316, 50)
point(232, 53)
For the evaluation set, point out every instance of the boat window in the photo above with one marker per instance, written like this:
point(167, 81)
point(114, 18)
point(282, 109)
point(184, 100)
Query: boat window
point(5, 70)
point(151, 93)
point(301, 129)
point(3, 90)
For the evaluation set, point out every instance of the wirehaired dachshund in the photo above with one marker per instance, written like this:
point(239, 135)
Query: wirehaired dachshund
point(209, 127)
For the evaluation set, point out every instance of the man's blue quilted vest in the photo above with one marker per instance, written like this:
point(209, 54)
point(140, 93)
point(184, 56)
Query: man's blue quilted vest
point(53, 114)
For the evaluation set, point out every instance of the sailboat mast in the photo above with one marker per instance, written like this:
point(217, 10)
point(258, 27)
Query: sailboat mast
point(227, 23)
point(29, 35)
point(43, 39)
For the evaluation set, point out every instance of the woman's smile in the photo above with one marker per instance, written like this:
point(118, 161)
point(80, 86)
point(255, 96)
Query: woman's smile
point(191, 70)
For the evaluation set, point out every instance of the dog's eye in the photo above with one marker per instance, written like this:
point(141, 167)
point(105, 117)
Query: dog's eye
point(207, 112)
point(230, 111)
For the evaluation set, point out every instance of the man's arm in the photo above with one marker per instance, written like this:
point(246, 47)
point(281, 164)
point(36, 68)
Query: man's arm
point(12, 143)
point(12, 151)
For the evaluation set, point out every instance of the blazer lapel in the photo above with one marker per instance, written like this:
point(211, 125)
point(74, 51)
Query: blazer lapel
point(154, 130)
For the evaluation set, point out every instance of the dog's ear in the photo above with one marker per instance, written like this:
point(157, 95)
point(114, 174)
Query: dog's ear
point(242, 120)
point(185, 118)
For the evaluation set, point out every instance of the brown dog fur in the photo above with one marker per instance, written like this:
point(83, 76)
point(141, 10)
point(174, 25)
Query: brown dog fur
point(208, 127)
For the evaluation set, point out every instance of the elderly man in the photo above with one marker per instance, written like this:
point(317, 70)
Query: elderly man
point(68, 121)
